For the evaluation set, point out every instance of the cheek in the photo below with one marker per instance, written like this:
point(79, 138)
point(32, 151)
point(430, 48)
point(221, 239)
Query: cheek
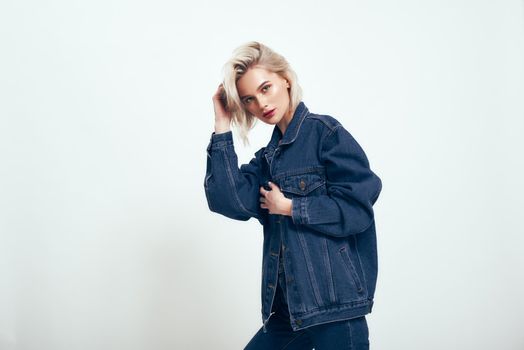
point(277, 90)
point(281, 93)
point(249, 109)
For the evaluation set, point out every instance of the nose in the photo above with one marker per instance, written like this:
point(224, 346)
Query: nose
point(262, 103)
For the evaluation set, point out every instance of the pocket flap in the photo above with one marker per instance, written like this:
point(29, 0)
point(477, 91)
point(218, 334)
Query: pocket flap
point(301, 184)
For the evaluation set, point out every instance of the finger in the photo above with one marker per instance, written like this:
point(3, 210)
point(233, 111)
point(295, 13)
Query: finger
point(263, 191)
point(273, 186)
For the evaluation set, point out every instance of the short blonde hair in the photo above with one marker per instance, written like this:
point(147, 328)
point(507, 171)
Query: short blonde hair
point(250, 54)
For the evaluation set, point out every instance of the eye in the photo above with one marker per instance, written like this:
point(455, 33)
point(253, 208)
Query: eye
point(246, 100)
point(264, 88)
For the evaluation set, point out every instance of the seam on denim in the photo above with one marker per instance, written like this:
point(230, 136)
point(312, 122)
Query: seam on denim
point(327, 261)
point(304, 211)
point(314, 285)
point(294, 286)
point(221, 144)
point(303, 116)
point(320, 118)
point(307, 328)
point(361, 266)
point(350, 335)
point(317, 169)
point(355, 304)
point(292, 340)
point(323, 141)
point(335, 128)
point(313, 186)
point(344, 254)
point(294, 211)
point(233, 187)
point(299, 210)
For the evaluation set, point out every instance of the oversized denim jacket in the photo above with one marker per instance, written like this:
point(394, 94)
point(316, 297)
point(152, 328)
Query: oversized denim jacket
point(328, 244)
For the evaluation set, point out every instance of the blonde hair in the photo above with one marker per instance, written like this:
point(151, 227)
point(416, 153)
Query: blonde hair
point(250, 54)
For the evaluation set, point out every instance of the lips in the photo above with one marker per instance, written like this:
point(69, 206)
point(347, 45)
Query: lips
point(270, 113)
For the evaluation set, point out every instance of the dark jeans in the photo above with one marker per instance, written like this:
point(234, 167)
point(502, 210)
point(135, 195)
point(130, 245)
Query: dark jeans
point(340, 335)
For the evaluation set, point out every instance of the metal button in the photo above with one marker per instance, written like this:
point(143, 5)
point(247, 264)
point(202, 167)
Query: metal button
point(274, 254)
point(302, 185)
point(270, 285)
point(298, 322)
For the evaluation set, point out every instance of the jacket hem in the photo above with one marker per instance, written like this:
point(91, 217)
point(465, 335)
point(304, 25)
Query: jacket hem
point(336, 313)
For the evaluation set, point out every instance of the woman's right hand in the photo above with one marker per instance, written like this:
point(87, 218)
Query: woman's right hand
point(222, 115)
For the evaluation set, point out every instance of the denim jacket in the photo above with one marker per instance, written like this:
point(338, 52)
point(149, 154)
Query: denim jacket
point(328, 244)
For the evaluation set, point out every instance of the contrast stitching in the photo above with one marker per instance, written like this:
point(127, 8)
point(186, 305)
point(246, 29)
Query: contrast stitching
point(356, 304)
point(304, 211)
point(320, 118)
point(331, 285)
point(309, 268)
point(304, 114)
point(232, 183)
point(292, 340)
point(360, 261)
point(350, 334)
point(317, 169)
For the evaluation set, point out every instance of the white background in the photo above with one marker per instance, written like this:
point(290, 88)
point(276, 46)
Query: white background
point(106, 240)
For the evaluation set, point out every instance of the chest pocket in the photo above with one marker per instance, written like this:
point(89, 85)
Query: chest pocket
point(303, 184)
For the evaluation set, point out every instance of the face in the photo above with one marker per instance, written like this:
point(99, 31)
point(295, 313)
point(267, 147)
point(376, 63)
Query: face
point(264, 91)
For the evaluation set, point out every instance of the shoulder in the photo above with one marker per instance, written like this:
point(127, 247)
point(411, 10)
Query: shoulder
point(333, 134)
point(326, 126)
point(323, 121)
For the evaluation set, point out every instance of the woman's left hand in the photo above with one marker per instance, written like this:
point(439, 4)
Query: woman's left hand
point(274, 200)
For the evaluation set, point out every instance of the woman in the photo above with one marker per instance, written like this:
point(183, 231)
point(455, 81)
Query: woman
point(312, 190)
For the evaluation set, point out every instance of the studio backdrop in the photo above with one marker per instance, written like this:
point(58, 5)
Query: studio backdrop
point(106, 239)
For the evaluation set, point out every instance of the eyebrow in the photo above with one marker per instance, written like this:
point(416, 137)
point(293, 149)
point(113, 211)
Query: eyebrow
point(267, 81)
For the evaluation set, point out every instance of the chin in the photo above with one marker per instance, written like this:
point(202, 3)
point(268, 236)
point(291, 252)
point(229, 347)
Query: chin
point(270, 121)
point(273, 120)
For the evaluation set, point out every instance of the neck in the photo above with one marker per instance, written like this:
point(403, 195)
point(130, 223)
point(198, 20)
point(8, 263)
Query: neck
point(284, 122)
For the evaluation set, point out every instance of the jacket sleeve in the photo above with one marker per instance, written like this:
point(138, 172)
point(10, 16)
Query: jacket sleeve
point(352, 189)
point(231, 191)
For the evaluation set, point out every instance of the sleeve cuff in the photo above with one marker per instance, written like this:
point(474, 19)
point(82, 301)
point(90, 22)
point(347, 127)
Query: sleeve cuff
point(223, 136)
point(299, 211)
point(219, 140)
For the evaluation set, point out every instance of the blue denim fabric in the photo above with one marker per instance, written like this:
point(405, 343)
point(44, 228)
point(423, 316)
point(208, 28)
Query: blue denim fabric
point(352, 334)
point(327, 246)
point(348, 334)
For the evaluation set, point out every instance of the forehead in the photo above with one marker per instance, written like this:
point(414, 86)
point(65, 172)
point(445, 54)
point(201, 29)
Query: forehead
point(252, 78)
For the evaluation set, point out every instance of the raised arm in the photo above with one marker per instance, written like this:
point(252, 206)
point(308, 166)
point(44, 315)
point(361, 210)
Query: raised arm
point(230, 190)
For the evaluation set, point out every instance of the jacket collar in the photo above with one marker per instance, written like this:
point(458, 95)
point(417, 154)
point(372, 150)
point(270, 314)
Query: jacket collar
point(291, 133)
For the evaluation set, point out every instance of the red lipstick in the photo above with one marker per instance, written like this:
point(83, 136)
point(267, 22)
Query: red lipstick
point(270, 113)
